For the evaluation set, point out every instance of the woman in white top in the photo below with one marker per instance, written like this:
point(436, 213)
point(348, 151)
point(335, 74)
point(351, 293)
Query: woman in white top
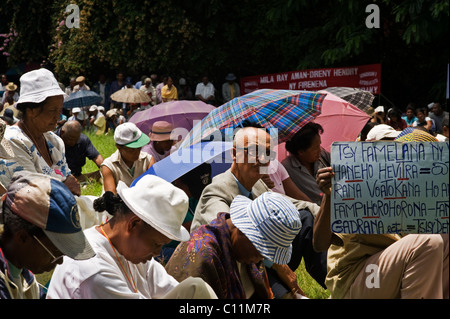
point(125, 246)
point(32, 140)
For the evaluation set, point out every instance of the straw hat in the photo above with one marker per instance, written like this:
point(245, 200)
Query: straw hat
point(11, 86)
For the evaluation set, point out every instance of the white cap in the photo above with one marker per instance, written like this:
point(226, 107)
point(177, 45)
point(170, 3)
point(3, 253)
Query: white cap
point(93, 108)
point(37, 85)
point(100, 108)
point(130, 135)
point(382, 131)
point(169, 205)
point(379, 109)
point(76, 110)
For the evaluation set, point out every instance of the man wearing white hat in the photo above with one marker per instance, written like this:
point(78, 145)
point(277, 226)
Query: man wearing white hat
point(128, 162)
point(124, 267)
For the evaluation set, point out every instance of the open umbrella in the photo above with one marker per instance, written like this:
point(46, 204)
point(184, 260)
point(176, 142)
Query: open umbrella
point(359, 98)
point(130, 95)
point(341, 121)
point(285, 110)
point(186, 159)
point(180, 113)
point(82, 98)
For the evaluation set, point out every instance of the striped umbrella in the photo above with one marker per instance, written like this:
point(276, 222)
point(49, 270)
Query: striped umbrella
point(285, 110)
point(82, 98)
point(410, 134)
point(359, 98)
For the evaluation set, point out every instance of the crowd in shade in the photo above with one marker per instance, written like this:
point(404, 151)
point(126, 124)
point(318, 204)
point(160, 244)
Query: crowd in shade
point(240, 233)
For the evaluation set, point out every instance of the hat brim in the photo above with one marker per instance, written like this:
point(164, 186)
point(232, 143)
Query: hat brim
point(40, 96)
point(75, 245)
point(159, 137)
point(180, 234)
point(140, 142)
point(240, 218)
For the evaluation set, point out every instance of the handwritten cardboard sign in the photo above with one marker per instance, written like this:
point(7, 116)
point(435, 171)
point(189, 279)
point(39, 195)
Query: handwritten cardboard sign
point(390, 187)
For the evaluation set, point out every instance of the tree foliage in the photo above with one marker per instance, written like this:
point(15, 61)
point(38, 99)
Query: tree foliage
point(192, 37)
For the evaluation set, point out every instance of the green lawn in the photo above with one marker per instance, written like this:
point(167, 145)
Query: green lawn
point(105, 145)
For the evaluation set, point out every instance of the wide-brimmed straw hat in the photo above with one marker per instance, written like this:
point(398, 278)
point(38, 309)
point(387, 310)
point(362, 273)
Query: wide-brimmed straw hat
point(11, 86)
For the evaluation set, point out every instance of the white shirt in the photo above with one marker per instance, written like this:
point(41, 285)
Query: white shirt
point(205, 90)
point(102, 277)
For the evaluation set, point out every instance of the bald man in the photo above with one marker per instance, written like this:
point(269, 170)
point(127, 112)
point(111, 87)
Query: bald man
point(251, 154)
point(78, 147)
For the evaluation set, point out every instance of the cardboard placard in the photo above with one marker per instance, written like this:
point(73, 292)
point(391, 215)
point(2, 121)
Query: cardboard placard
point(390, 187)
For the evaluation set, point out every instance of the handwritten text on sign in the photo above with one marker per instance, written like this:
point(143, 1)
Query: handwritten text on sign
point(390, 187)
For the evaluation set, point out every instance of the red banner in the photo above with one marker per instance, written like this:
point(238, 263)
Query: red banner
point(364, 77)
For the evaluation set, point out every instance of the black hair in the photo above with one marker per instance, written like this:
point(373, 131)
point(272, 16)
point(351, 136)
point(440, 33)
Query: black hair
point(395, 112)
point(302, 140)
point(29, 105)
point(112, 203)
point(366, 129)
point(422, 110)
point(12, 223)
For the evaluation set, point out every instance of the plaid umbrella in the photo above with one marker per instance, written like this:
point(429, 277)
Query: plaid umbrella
point(82, 98)
point(285, 110)
point(359, 98)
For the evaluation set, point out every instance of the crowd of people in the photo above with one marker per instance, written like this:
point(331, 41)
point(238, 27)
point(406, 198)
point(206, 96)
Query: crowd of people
point(239, 235)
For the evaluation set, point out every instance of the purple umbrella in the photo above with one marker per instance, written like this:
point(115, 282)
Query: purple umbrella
point(181, 114)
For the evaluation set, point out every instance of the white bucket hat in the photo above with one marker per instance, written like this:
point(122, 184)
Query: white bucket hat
point(37, 85)
point(158, 203)
point(270, 222)
point(382, 131)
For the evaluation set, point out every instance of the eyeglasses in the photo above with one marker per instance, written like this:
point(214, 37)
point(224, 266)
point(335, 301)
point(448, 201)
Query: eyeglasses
point(254, 152)
point(55, 259)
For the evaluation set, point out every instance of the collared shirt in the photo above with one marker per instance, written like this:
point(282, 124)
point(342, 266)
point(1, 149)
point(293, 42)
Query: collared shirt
point(242, 189)
point(121, 171)
point(303, 179)
point(205, 90)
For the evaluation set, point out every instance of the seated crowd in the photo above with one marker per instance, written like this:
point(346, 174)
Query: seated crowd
point(239, 235)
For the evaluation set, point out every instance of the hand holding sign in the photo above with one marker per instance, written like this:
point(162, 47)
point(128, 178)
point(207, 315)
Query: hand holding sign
point(323, 178)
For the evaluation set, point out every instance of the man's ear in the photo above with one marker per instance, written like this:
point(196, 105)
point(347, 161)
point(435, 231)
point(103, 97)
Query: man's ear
point(133, 222)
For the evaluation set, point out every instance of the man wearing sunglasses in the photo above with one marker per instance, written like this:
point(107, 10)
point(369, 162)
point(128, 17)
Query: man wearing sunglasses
point(252, 152)
point(40, 225)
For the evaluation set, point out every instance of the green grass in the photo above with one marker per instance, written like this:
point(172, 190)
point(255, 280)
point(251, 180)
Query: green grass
point(309, 286)
point(106, 146)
